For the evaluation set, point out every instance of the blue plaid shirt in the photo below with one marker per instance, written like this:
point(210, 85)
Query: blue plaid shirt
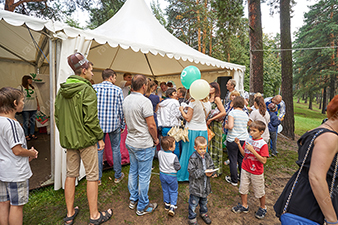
point(109, 106)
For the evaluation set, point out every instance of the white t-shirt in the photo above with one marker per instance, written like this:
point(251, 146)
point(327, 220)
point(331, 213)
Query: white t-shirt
point(137, 107)
point(255, 115)
point(12, 168)
point(125, 89)
point(30, 98)
point(197, 121)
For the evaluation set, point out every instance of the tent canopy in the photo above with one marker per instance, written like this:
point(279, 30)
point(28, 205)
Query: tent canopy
point(140, 44)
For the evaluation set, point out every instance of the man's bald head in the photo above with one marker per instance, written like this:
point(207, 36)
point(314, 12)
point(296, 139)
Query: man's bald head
point(138, 81)
point(277, 99)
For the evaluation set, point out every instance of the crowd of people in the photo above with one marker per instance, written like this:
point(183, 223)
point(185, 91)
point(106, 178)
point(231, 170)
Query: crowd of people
point(85, 114)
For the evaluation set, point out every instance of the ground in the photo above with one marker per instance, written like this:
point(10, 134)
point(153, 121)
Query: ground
point(224, 196)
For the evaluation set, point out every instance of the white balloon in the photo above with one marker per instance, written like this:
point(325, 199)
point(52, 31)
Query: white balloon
point(199, 89)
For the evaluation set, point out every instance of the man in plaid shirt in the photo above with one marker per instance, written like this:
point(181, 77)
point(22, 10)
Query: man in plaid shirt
point(110, 113)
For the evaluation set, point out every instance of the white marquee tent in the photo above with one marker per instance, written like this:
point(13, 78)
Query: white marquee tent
point(131, 41)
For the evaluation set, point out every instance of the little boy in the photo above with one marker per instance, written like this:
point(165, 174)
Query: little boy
point(169, 165)
point(274, 122)
point(199, 180)
point(14, 158)
point(255, 156)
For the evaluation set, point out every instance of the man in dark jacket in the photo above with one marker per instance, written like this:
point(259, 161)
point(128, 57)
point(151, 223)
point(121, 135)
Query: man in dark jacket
point(199, 180)
point(78, 124)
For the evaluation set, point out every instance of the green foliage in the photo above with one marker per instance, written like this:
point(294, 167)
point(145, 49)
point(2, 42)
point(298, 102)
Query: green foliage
point(314, 67)
point(103, 12)
point(157, 11)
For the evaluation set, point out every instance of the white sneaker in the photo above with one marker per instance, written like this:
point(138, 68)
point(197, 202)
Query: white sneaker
point(228, 179)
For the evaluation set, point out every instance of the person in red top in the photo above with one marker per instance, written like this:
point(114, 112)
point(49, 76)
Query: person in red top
point(256, 152)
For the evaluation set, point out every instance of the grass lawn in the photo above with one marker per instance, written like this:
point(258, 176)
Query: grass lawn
point(47, 206)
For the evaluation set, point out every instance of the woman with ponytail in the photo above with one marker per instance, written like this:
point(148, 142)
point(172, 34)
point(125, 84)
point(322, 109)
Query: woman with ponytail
point(261, 114)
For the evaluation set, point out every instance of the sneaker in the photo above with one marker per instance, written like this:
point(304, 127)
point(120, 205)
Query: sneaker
point(227, 162)
point(260, 214)
point(228, 179)
point(193, 222)
point(206, 218)
point(166, 206)
point(132, 204)
point(172, 210)
point(149, 209)
point(99, 183)
point(273, 155)
point(118, 180)
point(239, 209)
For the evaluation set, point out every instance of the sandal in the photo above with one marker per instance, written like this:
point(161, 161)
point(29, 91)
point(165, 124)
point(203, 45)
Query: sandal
point(70, 220)
point(34, 137)
point(28, 138)
point(102, 218)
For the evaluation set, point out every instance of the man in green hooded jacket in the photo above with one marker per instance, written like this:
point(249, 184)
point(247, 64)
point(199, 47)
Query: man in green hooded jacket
point(78, 124)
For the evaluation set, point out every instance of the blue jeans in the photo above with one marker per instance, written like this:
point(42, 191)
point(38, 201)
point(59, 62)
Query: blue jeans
point(193, 203)
point(273, 140)
point(141, 160)
point(115, 138)
point(29, 119)
point(169, 188)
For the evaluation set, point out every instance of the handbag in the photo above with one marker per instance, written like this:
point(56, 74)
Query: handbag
point(215, 112)
point(211, 134)
point(292, 219)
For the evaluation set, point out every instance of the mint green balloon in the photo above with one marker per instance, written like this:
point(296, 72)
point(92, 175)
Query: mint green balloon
point(189, 75)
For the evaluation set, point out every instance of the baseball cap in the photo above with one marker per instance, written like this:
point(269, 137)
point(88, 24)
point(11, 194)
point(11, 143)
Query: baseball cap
point(272, 106)
point(77, 60)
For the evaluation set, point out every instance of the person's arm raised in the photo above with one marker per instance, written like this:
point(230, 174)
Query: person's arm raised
point(324, 150)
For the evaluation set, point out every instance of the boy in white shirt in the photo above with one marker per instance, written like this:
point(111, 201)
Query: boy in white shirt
point(14, 158)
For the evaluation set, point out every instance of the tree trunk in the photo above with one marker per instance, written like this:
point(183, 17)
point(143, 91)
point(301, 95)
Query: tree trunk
point(320, 100)
point(324, 101)
point(256, 43)
point(199, 28)
point(298, 99)
point(305, 99)
point(286, 56)
point(310, 100)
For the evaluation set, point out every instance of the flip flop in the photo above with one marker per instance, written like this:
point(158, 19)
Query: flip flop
point(28, 138)
point(71, 218)
point(102, 218)
point(34, 137)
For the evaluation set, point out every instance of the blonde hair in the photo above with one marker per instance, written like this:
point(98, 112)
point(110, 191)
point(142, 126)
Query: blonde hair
point(235, 93)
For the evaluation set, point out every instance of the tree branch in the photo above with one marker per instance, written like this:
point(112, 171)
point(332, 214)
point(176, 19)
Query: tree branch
point(23, 1)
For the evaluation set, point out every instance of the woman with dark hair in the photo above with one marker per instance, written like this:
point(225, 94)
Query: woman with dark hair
point(153, 98)
point(30, 108)
point(237, 128)
point(215, 124)
point(311, 192)
point(261, 114)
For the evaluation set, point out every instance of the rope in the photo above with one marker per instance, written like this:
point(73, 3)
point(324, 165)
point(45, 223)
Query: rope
point(36, 43)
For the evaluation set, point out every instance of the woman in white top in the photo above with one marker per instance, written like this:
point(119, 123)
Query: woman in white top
point(30, 108)
point(261, 114)
point(198, 110)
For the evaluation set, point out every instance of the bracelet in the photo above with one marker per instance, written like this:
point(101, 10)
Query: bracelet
point(330, 222)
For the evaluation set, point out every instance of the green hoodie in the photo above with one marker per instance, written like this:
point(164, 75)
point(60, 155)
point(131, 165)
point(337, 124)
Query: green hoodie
point(76, 114)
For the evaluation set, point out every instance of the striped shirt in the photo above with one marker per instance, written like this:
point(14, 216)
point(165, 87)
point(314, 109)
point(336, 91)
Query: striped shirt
point(239, 130)
point(12, 168)
point(109, 106)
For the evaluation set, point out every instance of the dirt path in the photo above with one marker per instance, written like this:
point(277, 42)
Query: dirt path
point(224, 197)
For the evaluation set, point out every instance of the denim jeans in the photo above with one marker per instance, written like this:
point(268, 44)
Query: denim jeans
point(273, 140)
point(115, 138)
point(169, 188)
point(141, 160)
point(29, 119)
point(193, 203)
point(235, 156)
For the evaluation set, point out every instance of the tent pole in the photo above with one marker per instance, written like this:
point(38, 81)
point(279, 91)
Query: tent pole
point(151, 70)
point(33, 64)
point(52, 98)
